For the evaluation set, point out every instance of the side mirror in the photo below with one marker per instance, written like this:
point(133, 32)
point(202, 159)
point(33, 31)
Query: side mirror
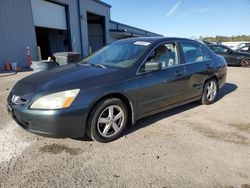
point(152, 66)
point(230, 51)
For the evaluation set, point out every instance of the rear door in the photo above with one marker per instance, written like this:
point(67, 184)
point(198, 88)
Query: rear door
point(198, 67)
point(161, 88)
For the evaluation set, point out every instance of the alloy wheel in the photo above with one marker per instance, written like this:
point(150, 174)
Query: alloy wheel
point(211, 90)
point(245, 63)
point(110, 121)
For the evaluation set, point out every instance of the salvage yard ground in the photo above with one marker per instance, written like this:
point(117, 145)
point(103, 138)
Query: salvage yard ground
point(189, 146)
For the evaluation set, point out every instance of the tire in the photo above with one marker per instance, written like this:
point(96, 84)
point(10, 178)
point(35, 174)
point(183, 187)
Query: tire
point(107, 120)
point(245, 62)
point(207, 99)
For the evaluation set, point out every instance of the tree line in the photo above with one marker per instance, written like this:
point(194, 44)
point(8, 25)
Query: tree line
point(226, 39)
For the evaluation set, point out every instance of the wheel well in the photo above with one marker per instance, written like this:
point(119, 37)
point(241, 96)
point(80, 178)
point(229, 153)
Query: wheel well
point(244, 58)
point(212, 77)
point(121, 97)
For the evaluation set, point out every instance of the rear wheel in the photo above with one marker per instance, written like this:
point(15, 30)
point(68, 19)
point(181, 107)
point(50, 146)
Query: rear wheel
point(245, 62)
point(210, 92)
point(107, 120)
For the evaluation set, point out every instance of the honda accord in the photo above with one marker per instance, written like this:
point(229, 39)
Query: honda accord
point(115, 86)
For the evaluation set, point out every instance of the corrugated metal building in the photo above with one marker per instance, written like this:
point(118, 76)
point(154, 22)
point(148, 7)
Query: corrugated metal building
point(82, 26)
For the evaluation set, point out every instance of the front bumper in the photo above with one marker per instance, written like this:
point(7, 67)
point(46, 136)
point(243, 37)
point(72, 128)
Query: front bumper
point(63, 123)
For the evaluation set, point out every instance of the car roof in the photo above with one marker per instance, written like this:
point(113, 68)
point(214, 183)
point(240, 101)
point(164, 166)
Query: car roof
point(155, 39)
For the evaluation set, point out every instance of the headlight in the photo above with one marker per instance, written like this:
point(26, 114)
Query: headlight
point(56, 100)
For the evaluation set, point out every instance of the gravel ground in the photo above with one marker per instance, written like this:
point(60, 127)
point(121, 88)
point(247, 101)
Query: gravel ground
point(189, 146)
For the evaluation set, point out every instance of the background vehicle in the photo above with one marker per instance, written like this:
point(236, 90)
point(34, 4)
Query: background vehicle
point(121, 83)
point(232, 57)
point(240, 45)
point(245, 48)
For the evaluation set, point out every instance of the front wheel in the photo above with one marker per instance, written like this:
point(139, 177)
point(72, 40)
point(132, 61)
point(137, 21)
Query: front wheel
point(107, 120)
point(210, 92)
point(245, 62)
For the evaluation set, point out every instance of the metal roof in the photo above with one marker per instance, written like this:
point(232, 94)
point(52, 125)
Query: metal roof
point(103, 3)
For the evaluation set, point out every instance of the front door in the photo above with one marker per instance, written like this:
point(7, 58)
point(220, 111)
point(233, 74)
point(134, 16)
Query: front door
point(160, 88)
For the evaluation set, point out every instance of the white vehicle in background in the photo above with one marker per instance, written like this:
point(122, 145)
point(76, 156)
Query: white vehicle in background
point(241, 45)
point(235, 45)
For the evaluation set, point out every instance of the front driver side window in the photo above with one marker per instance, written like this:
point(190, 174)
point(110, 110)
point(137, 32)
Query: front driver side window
point(165, 54)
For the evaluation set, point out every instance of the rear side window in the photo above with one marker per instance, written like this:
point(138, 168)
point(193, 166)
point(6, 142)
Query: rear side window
point(206, 55)
point(193, 53)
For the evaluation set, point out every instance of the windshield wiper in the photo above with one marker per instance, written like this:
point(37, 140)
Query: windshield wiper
point(95, 65)
point(99, 65)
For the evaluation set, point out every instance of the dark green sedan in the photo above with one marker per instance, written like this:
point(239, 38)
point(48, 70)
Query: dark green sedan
point(114, 87)
point(232, 57)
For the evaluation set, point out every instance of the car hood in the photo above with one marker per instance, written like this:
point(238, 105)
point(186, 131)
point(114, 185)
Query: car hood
point(66, 77)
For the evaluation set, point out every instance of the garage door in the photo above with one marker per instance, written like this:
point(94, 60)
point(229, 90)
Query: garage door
point(49, 15)
point(95, 32)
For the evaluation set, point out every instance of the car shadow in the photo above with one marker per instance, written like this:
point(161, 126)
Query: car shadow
point(144, 122)
point(226, 89)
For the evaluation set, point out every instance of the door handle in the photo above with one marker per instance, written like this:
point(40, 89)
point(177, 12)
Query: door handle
point(178, 73)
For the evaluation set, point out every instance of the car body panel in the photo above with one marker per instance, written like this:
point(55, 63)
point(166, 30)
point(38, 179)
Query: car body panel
point(196, 74)
point(53, 123)
point(160, 88)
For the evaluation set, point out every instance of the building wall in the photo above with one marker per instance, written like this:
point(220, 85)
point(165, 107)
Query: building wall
point(17, 29)
point(16, 32)
point(130, 31)
point(95, 8)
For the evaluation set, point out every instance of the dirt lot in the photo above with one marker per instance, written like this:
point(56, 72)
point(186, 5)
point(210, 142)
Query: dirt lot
point(189, 146)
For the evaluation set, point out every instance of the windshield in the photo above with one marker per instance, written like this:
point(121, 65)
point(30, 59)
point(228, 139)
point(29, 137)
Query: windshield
point(121, 54)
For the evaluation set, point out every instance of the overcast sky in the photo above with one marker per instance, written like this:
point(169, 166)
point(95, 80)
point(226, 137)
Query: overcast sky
point(185, 18)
